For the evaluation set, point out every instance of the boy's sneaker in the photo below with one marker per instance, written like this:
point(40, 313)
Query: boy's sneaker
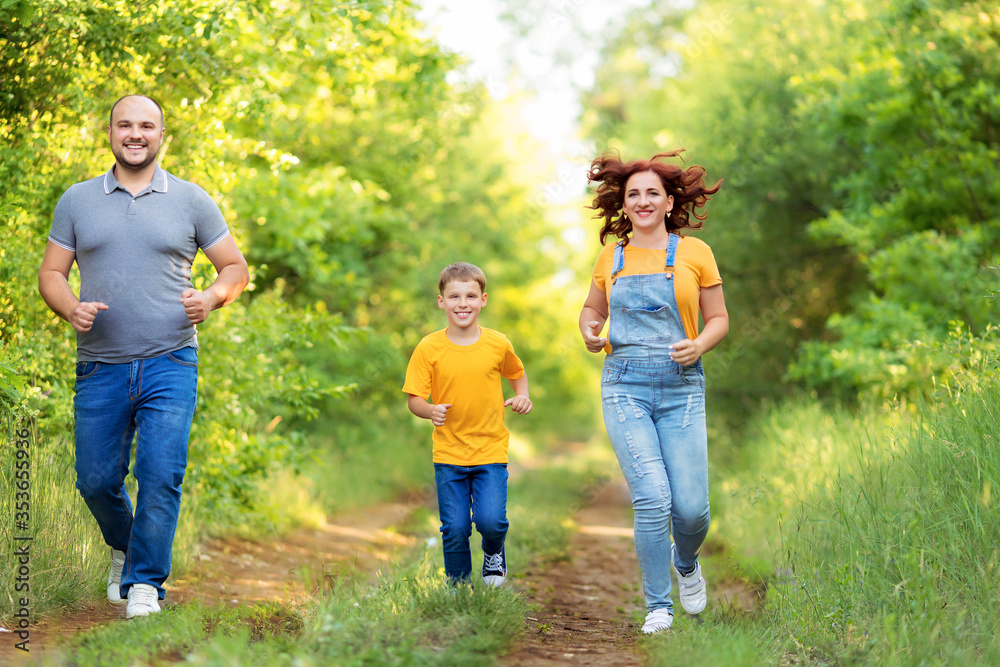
point(658, 620)
point(693, 592)
point(143, 600)
point(115, 577)
point(495, 568)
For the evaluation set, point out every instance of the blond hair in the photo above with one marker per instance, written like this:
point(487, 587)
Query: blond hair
point(461, 271)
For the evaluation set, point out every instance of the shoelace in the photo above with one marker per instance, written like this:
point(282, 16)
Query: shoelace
point(494, 562)
point(142, 596)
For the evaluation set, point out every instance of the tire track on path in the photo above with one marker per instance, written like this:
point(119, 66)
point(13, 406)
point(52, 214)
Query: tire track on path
point(586, 603)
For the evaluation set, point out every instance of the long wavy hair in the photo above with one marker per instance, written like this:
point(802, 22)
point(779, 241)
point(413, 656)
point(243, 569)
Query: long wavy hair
point(686, 186)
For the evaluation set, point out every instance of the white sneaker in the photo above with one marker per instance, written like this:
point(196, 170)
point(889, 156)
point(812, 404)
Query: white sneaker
point(143, 600)
point(658, 620)
point(692, 588)
point(115, 578)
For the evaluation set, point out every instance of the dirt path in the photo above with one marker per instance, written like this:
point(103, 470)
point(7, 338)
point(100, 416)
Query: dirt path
point(240, 572)
point(587, 603)
point(584, 607)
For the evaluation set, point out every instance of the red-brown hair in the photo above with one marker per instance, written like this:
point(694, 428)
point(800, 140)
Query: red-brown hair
point(686, 186)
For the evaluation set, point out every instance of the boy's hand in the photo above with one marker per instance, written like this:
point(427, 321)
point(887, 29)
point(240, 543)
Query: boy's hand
point(439, 413)
point(520, 404)
point(590, 338)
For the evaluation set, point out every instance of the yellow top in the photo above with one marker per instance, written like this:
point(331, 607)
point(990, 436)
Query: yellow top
point(468, 377)
point(694, 268)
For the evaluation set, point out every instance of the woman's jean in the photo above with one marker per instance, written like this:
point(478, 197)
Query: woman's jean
point(655, 415)
point(468, 494)
point(153, 400)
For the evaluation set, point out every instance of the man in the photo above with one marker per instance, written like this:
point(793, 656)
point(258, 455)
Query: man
point(134, 233)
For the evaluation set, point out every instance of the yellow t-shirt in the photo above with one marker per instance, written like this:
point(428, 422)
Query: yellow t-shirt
point(694, 268)
point(468, 377)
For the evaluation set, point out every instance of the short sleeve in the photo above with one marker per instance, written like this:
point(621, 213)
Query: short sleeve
point(210, 225)
point(418, 373)
point(62, 233)
point(709, 275)
point(512, 368)
point(602, 268)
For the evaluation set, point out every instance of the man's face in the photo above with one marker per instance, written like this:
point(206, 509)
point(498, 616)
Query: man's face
point(135, 133)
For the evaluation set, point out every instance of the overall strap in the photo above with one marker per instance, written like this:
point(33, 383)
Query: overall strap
point(672, 250)
point(619, 262)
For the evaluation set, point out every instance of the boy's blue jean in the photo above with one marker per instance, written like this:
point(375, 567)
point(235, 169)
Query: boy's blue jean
point(655, 415)
point(155, 399)
point(466, 495)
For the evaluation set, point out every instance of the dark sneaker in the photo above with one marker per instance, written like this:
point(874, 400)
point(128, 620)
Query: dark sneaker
point(495, 568)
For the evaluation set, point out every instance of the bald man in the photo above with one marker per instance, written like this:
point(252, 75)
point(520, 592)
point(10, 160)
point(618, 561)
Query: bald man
point(134, 233)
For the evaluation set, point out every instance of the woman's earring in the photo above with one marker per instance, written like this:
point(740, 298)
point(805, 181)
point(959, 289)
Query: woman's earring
point(669, 212)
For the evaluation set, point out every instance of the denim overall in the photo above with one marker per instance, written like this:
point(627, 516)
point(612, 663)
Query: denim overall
point(654, 410)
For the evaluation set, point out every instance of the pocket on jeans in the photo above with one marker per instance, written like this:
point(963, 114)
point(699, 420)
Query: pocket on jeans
point(611, 375)
point(84, 369)
point(186, 356)
point(693, 375)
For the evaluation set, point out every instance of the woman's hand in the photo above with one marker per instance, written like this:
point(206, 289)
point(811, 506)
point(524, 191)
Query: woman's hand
point(685, 352)
point(590, 338)
point(593, 315)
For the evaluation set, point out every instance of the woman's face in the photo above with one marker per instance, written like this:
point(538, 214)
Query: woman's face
point(646, 202)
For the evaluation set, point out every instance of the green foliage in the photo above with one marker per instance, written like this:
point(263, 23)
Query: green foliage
point(859, 209)
point(350, 171)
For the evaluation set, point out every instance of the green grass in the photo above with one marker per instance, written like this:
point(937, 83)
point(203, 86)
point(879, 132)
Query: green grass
point(717, 637)
point(67, 552)
point(879, 533)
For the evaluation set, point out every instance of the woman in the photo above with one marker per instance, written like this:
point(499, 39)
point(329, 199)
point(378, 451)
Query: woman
point(652, 283)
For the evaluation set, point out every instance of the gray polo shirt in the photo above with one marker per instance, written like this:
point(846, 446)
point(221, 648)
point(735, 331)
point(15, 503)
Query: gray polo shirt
point(134, 254)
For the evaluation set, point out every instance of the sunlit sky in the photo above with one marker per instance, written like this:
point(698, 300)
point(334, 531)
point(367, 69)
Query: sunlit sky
point(503, 60)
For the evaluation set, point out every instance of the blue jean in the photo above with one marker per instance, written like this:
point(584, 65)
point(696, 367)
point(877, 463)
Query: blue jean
point(655, 415)
point(153, 400)
point(465, 495)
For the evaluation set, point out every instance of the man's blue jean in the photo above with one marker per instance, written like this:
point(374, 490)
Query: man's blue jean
point(655, 415)
point(153, 400)
point(466, 495)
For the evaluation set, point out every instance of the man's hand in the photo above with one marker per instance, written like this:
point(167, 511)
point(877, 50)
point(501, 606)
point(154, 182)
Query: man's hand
point(82, 317)
point(438, 413)
point(590, 338)
point(520, 404)
point(197, 305)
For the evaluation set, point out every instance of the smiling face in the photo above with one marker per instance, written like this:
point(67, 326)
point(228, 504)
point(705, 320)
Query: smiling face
point(647, 203)
point(462, 300)
point(135, 133)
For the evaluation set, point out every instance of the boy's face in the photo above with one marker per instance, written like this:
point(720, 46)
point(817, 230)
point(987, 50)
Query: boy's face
point(462, 300)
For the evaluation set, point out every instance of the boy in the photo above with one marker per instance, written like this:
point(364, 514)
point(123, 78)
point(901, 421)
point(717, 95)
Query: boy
point(460, 368)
